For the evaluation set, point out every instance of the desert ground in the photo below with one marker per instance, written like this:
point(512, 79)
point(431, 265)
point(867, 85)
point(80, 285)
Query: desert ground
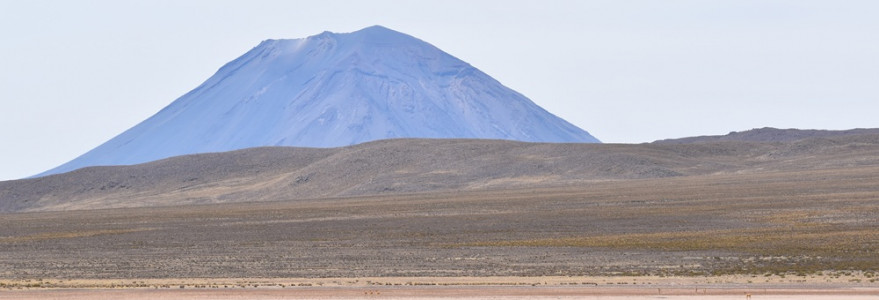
point(809, 233)
point(770, 223)
point(780, 221)
point(717, 287)
point(548, 287)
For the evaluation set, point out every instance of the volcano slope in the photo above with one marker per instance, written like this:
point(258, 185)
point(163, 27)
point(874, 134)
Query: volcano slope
point(456, 208)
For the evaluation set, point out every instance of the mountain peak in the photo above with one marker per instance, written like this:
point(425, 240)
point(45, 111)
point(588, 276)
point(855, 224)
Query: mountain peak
point(378, 30)
point(375, 34)
point(331, 90)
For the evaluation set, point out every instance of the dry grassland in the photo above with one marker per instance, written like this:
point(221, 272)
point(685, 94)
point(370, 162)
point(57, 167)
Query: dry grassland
point(793, 225)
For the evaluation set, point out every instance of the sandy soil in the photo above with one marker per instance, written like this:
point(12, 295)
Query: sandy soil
point(561, 287)
point(457, 292)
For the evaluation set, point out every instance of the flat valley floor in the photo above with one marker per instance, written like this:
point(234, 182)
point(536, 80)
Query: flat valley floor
point(810, 234)
point(454, 292)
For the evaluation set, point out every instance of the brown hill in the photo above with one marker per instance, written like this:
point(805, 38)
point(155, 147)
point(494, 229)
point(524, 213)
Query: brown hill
point(407, 166)
point(769, 134)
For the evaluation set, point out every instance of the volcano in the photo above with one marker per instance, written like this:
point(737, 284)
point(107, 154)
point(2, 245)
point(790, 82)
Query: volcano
point(332, 90)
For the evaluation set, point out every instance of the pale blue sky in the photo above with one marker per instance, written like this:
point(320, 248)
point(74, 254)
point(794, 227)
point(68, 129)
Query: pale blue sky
point(73, 74)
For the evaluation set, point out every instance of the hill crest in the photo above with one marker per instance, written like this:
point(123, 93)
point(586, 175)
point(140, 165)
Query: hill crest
point(405, 166)
point(769, 135)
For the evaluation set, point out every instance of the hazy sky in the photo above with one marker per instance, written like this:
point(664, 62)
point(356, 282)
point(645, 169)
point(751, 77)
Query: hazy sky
point(73, 74)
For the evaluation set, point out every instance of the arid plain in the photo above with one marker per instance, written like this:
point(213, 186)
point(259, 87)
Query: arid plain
point(728, 217)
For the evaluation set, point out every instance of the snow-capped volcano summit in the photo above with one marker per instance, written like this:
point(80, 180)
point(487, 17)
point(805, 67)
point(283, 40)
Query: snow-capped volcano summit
point(329, 90)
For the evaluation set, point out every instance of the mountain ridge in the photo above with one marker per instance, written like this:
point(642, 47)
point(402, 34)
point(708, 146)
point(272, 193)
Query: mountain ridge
point(769, 134)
